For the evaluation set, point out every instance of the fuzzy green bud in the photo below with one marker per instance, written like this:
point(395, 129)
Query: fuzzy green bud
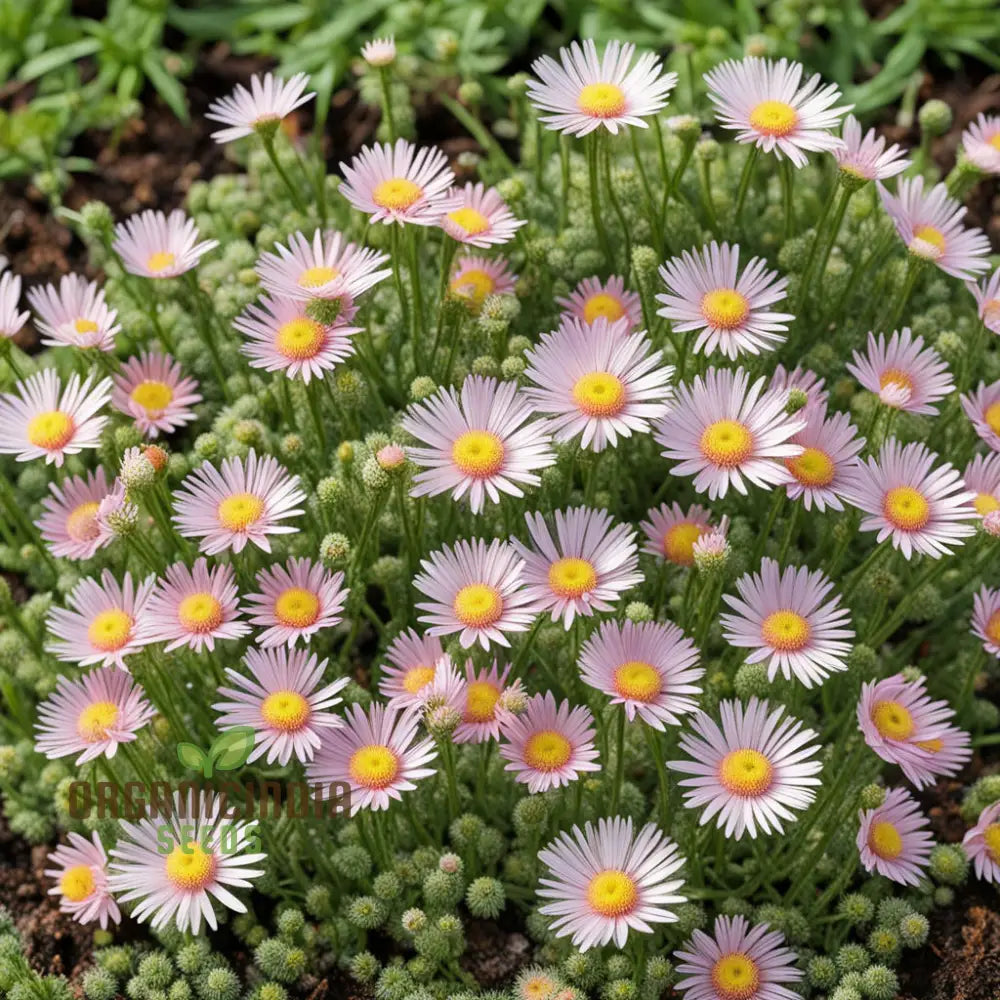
point(935, 117)
point(751, 681)
point(871, 796)
point(821, 973)
point(913, 930)
point(948, 864)
point(852, 958)
point(797, 398)
point(366, 912)
point(879, 983)
point(530, 814)
point(413, 920)
point(422, 387)
point(334, 550)
point(365, 967)
point(99, 984)
point(884, 944)
point(485, 898)
point(638, 611)
point(156, 970)
point(291, 922)
point(324, 311)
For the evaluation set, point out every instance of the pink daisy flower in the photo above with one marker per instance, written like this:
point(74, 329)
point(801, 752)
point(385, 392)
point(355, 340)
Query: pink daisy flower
point(549, 746)
point(901, 723)
point(40, 419)
point(865, 156)
point(987, 296)
point(788, 620)
point(922, 509)
point(986, 619)
point(982, 407)
point(263, 106)
point(593, 298)
point(378, 754)
point(595, 385)
point(649, 668)
point(477, 444)
point(480, 703)
point(154, 245)
point(413, 660)
point(982, 477)
point(584, 91)
point(283, 702)
point(737, 962)
point(69, 515)
point(398, 183)
point(981, 142)
point(606, 880)
point(91, 716)
point(74, 315)
point(473, 279)
point(476, 590)
point(11, 317)
point(753, 772)
point(671, 533)
point(153, 391)
point(209, 856)
point(244, 502)
point(194, 607)
point(830, 453)
point(295, 601)
point(379, 51)
point(767, 104)
point(102, 622)
point(903, 373)
point(81, 874)
point(477, 215)
point(930, 225)
point(722, 430)
point(586, 568)
point(894, 840)
point(731, 311)
point(783, 381)
point(982, 844)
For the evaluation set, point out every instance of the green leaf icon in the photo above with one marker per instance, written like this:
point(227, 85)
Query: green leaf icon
point(231, 748)
point(195, 758)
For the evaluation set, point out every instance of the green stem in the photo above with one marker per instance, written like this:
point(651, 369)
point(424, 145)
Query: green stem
point(745, 176)
point(619, 763)
point(593, 153)
point(390, 119)
point(292, 188)
point(831, 241)
point(787, 174)
point(419, 319)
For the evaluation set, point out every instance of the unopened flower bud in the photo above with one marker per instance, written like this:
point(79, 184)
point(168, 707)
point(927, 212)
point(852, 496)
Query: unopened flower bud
point(442, 720)
point(324, 311)
point(391, 458)
point(797, 398)
point(935, 117)
point(117, 516)
point(334, 550)
point(513, 699)
point(379, 52)
point(137, 471)
point(638, 611)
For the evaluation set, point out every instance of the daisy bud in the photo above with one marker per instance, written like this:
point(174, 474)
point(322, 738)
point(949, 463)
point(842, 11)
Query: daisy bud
point(617, 967)
point(796, 400)
point(690, 917)
point(583, 968)
point(207, 446)
point(330, 493)
point(512, 368)
point(219, 984)
point(156, 970)
point(366, 912)
point(465, 830)
point(871, 797)
point(943, 896)
point(638, 611)
point(707, 149)
point(470, 92)
point(853, 957)
point(97, 218)
point(137, 472)
point(442, 890)
point(334, 550)
point(413, 920)
point(913, 930)
point(374, 476)
point(116, 515)
point(379, 52)
point(391, 458)
point(935, 118)
point(364, 967)
point(442, 720)
point(991, 523)
point(491, 846)
point(324, 311)
point(751, 681)
point(291, 446)
point(446, 46)
point(687, 127)
point(711, 552)
point(513, 699)
point(821, 973)
point(948, 864)
point(485, 898)
point(99, 984)
point(451, 864)
point(517, 84)
point(846, 993)
point(879, 983)
point(883, 943)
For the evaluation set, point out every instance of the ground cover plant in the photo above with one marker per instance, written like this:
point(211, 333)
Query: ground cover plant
point(559, 574)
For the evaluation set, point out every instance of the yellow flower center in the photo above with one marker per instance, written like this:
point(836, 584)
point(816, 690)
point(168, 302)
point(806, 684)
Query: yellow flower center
point(892, 720)
point(985, 503)
point(473, 285)
point(612, 893)
point(374, 766)
point(678, 542)
point(992, 416)
point(297, 607)
point(299, 339)
point(992, 629)
point(190, 867)
point(572, 577)
point(239, 511)
point(397, 194)
point(152, 396)
point(481, 699)
point(81, 524)
point(479, 454)
point(726, 443)
point(547, 750)
point(638, 681)
point(601, 100)
point(735, 976)
point(599, 394)
point(77, 883)
point(785, 630)
point(478, 605)
point(470, 220)
point(95, 721)
point(774, 118)
point(540, 987)
point(200, 613)
point(893, 377)
point(747, 773)
point(813, 467)
point(417, 678)
point(110, 630)
point(994, 141)
point(725, 308)
point(51, 430)
point(906, 508)
point(84, 325)
point(927, 242)
point(285, 710)
point(935, 745)
point(601, 304)
point(885, 841)
point(160, 261)
point(314, 277)
point(991, 838)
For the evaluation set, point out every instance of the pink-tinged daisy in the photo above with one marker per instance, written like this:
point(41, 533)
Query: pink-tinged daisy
point(595, 385)
point(831, 448)
point(69, 515)
point(649, 668)
point(865, 156)
point(11, 317)
point(40, 419)
point(480, 703)
point(982, 478)
point(75, 314)
point(81, 874)
point(477, 215)
point(737, 962)
point(379, 52)
point(477, 444)
point(295, 601)
point(477, 590)
point(194, 607)
point(986, 619)
point(671, 533)
point(800, 378)
point(378, 754)
point(116, 514)
point(901, 723)
point(789, 621)
point(903, 373)
point(894, 840)
point(549, 746)
point(722, 431)
point(921, 508)
point(209, 855)
point(754, 770)
point(987, 296)
point(731, 311)
point(154, 392)
point(473, 279)
point(712, 547)
point(584, 91)
point(982, 844)
point(91, 716)
point(262, 107)
point(154, 245)
point(982, 407)
point(981, 142)
point(412, 666)
point(586, 568)
point(282, 337)
point(243, 502)
point(398, 183)
point(930, 225)
point(593, 298)
point(326, 268)
point(607, 880)
point(102, 622)
point(283, 702)
point(766, 103)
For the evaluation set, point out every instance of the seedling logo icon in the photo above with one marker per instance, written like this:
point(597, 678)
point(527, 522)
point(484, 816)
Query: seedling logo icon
point(229, 751)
